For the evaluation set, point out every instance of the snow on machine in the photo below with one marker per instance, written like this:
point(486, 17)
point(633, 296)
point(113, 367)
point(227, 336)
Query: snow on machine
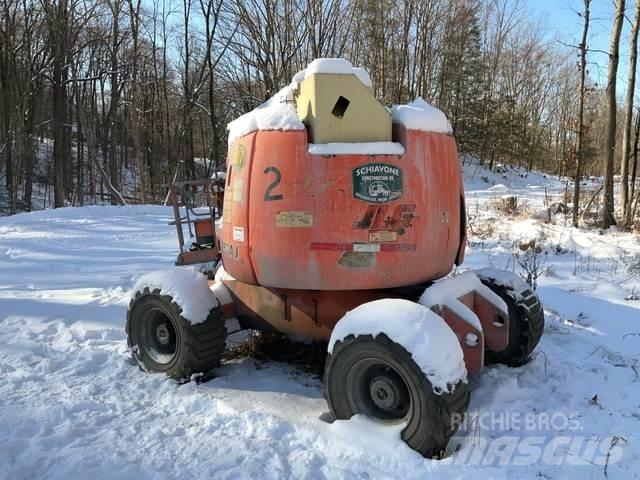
point(340, 219)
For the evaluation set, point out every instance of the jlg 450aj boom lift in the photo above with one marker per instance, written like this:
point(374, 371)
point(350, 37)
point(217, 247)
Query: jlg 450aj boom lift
point(339, 218)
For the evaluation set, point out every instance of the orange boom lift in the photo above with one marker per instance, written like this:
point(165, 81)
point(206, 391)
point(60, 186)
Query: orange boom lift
point(333, 201)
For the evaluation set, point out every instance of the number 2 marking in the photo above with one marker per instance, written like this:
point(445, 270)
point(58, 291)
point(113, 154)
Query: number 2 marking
point(268, 196)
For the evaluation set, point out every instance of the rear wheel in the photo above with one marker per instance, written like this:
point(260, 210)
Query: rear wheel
point(162, 340)
point(526, 323)
point(378, 378)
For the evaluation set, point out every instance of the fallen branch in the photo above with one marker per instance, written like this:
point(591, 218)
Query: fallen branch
point(586, 209)
point(110, 187)
point(615, 441)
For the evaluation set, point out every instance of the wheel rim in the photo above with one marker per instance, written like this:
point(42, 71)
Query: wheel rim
point(378, 391)
point(159, 339)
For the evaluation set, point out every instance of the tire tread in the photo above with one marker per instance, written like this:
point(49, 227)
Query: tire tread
point(430, 442)
point(202, 344)
point(526, 309)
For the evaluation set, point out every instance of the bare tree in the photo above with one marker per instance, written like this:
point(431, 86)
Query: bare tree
point(608, 218)
point(7, 85)
point(116, 87)
point(60, 38)
point(582, 67)
point(136, 100)
point(634, 170)
point(626, 139)
point(131, 92)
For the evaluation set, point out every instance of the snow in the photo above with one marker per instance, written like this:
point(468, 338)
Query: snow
point(221, 274)
point(186, 285)
point(363, 76)
point(297, 79)
point(277, 113)
point(432, 344)
point(74, 405)
point(219, 289)
point(448, 291)
point(221, 293)
point(419, 115)
point(363, 148)
point(503, 278)
point(338, 66)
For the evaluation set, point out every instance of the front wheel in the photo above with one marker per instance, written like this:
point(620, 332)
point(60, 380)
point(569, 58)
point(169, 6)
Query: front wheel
point(162, 340)
point(377, 377)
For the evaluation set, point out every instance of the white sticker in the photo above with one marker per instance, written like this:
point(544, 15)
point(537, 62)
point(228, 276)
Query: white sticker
point(366, 247)
point(237, 189)
point(238, 234)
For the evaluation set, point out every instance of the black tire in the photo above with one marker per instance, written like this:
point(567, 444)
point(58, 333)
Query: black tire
point(162, 340)
point(526, 323)
point(352, 373)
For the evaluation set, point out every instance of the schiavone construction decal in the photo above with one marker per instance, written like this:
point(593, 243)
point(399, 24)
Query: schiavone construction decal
point(377, 182)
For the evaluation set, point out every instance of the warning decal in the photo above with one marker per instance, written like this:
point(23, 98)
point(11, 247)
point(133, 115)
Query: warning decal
point(238, 234)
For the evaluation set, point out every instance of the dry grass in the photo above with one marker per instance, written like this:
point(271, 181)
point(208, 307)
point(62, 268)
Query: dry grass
point(277, 347)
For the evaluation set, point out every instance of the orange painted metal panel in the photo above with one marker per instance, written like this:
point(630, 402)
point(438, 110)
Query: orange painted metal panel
point(495, 325)
point(234, 241)
point(315, 313)
point(342, 222)
point(305, 312)
point(203, 227)
point(473, 354)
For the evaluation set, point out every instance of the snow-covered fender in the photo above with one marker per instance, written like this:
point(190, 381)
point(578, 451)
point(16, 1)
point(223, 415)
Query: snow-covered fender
point(474, 312)
point(424, 335)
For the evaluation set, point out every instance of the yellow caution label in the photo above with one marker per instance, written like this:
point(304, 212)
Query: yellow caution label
point(239, 158)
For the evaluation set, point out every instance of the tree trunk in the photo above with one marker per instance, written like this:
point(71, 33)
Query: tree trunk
point(6, 147)
point(136, 111)
point(114, 171)
point(634, 169)
point(59, 131)
point(581, 94)
point(30, 155)
point(608, 218)
point(626, 140)
point(79, 158)
point(59, 38)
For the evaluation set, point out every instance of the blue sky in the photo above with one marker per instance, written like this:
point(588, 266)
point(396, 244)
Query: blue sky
point(562, 23)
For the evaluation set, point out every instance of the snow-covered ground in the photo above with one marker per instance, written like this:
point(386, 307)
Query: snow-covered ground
point(73, 405)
